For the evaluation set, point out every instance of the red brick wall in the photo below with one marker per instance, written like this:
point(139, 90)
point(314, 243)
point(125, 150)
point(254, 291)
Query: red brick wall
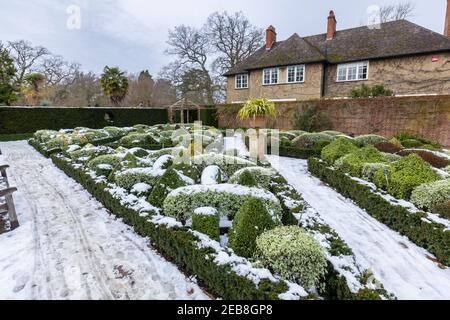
point(426, 116)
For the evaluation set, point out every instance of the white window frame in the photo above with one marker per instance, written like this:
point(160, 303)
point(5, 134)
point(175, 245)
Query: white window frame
point(244, 75)
point(350, 66)
point(296, 73)
point(271, 72)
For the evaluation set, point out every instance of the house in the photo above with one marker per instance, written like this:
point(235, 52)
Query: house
point(402, 56)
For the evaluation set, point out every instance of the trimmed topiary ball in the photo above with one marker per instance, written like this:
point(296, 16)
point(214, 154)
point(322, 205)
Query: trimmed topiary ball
point(249, 223)
point(404, 176)
point(354, 162)
point(338, 149)
point(428, 195)
point(128, 178)
point(291, 253)
point(370, 139)
point(206, 220)
point(170, 181)
point(105, 164)
point(314, 141)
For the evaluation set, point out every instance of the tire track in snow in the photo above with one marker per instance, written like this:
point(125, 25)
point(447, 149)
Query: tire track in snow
point(79, 248)
point(404, 271)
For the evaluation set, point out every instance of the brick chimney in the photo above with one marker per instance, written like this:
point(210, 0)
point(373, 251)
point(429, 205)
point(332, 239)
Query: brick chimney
point(271, 37)
point(447, 21)
point(332, 23)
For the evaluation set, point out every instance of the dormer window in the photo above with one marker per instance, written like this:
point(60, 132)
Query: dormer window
point(242, 81)
point(353, 71)
point(271, 76)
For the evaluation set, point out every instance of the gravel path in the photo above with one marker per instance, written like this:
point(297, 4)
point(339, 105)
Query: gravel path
point(69, 247)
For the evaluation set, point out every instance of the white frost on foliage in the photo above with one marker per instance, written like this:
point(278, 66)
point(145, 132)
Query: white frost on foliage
point(210, 175)
point(294, 293)
point(161, 162)
point(205, 211)
point(141, 188)
point(228, 188)
point(166, 221)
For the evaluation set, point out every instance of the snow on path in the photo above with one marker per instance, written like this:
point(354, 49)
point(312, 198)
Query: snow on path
point(404, 271)
point(69, 247)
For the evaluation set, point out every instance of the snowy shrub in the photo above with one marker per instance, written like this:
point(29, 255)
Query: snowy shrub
point(261, 176)
point(447, 169)
point(291, 253)
point(169, 181)
point(189, 171)
point(88, 152)
point(355, 161)
point(128, 178)
point(404, 176)
point(176, 152)
point(443, 209)
point(138, 152)
point(227, 163)
point(391, 157)
point(226, 198)
point(426, 196)
point(142, 140)
point(337, 149)
point(212, 175)
point(163, 163)
point(45, 135)
point(104, 165)
point(369, 170)
point(245, 179)
point(141, 189)
point(249, 223)
point(186, 139)
point(412, 143)
point(114, 131)
point(206, 220)
point(334, 133)
point(313, 140)
point(370, 139)
point(58, 142)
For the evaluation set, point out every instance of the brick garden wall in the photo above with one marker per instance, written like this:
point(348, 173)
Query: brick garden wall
point(426, 116)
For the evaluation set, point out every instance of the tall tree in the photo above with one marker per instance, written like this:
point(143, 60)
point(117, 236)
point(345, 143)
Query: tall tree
point(233, 37)
point(228, 38)
point(192, 47)
point(7, 75)
point(114, 84)
point(141, 90)
point(26, 58)
point(395, 12)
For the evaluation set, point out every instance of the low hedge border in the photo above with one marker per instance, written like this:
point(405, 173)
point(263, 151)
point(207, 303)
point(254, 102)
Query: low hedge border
point(179, 246)
point(429, 235)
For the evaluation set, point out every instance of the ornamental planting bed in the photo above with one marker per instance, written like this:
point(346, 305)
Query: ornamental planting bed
point(237, 225)
point(402, 190)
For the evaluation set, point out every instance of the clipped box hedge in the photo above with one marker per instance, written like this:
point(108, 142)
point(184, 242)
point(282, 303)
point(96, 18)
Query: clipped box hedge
point(179, 246)
point(429, 235)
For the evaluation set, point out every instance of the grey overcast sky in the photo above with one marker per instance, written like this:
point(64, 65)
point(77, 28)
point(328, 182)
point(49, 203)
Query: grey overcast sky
point(131, 34)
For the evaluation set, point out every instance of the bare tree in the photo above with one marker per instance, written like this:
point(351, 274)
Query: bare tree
point(192, 48)
point(57, 71)
point(399, 11)
point(233, 37)
point(26, 58)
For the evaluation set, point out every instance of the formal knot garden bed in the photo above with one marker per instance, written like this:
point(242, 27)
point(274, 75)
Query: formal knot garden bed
point(232, 222)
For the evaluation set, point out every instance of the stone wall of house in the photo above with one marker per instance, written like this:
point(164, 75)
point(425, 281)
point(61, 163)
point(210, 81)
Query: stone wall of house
point(309, 89)
point(405, 76)
point(426, 116)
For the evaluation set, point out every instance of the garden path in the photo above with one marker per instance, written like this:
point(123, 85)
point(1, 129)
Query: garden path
point(69, 247)
point(399, 264)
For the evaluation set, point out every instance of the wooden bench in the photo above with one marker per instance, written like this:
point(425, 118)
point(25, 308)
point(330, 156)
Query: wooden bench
point(8, 207)
point(3, 177)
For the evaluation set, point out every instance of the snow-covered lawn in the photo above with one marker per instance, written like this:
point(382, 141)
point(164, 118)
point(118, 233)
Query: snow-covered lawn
point(69, 247)
point(399, 264)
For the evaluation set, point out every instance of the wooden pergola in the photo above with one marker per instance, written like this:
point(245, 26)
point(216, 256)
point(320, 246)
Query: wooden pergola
point(184, 105)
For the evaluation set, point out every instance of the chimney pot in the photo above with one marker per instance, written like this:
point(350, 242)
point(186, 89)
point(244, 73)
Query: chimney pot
point(332, 23)
point(271, 37)
point(447, 21)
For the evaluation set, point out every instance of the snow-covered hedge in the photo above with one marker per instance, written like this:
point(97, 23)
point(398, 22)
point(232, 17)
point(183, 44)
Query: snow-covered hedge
point(370, 139)
point(432, 236)
point(129, 178)
point(293, 254)
point(228, 164)
point(226, 198)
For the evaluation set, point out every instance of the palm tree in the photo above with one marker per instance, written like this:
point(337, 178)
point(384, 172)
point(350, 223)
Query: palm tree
point(114, 84)
point(255, 108)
